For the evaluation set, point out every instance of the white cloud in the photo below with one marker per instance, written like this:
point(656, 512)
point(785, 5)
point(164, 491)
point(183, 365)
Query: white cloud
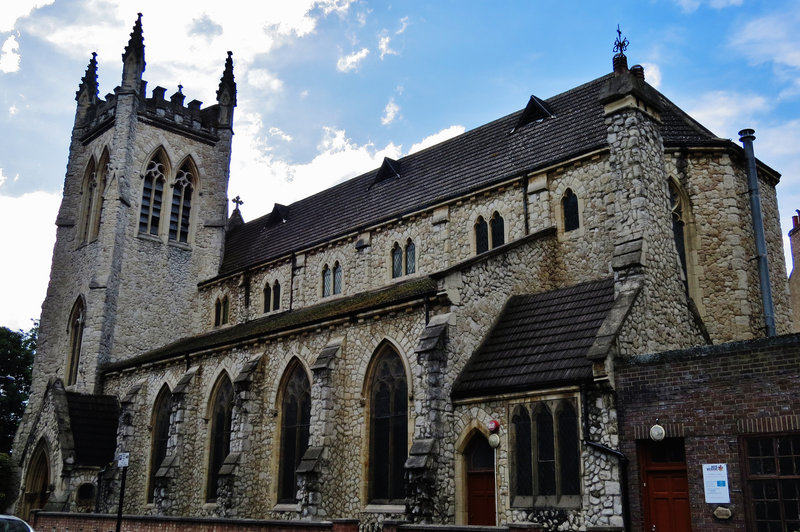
point(727, 112)
point(24, 279)
point(9, 55)
point(383, 46)
point(261, 179)
point(350, 62)
point(436, 138)
point(773, 39)
point(691, 5)
point(263, 79)
point(277, 132)
point(176, 50)
point(403, 26)
point(14, 10)
point(652, 74)
point(390, 112)
point(12, 111)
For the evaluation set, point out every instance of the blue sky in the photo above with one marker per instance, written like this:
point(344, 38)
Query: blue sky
point(328, 88)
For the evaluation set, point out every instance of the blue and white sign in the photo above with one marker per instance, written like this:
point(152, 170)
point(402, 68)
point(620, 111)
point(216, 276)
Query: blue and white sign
point(715, 482)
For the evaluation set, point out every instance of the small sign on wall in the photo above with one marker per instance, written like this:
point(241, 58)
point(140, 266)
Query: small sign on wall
point(715, 482)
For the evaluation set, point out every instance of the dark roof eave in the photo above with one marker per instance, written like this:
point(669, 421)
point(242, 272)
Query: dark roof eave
point(405, 292)
point(467, 395)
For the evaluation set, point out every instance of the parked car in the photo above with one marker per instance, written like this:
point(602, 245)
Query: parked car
point(9, 523)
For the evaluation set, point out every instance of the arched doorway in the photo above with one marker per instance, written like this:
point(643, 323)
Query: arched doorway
point(37, 481)
point(479, 461)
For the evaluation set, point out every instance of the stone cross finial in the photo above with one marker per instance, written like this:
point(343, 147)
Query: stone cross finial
point(620, 45)
point(238, 201)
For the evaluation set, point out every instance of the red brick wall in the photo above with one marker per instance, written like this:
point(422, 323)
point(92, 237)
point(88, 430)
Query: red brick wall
point(66, 522)
point(711, 396)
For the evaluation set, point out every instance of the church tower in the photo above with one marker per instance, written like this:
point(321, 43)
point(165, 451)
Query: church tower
point(141, 222)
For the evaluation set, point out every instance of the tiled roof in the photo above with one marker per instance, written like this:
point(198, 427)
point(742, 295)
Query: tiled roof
point(488, 154)
point(93, 419)
point(539, 340)
point(334, 308)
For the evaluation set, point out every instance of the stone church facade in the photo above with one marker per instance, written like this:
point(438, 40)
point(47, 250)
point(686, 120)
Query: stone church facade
point(432, 341)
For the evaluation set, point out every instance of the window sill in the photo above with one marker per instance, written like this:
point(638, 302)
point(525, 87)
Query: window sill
point(150, 238)
point(180, 245)
point(286, 507)
point(385, 509)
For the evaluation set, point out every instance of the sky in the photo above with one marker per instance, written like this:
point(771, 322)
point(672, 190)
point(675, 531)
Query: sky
point(328, 88)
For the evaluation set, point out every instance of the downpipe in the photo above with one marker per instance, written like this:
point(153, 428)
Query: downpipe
point(747, 137)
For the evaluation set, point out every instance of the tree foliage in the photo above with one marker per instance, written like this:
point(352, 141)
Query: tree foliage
point(17, 349)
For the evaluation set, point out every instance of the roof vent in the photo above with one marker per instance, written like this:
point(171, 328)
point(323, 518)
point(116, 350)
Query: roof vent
point(279, 214)
point(535, 110)
point(390, 169)
point(638, 72)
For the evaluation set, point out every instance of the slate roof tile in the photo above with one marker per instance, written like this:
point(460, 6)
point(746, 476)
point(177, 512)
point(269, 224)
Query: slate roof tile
point(475, 159)
point(539, 340)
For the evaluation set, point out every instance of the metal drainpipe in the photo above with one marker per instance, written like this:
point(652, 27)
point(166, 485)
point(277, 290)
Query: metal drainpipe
point(621, 458)
point(746, 137)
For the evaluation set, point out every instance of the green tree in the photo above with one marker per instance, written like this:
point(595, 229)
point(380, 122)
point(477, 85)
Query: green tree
point(17, 349)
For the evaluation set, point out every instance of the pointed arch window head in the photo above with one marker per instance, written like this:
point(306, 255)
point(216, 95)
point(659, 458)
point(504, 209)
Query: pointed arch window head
point(92, 190)
point(569, 208)
point(162, 412)
point(221, 413)
point(498, 230)
point(337, 278)
point(221, 311)
point(481, 236)
point(677, 205)
point(388, 428)
point(182, 190)
point(152, 195)
point(295, 425)
point(411, 257)
point(267, 297)
point(397, 261)
point(75, 327)
point(326, 281)
point(276, 296)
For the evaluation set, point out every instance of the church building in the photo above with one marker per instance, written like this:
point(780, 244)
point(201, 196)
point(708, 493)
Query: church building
point(434, 341)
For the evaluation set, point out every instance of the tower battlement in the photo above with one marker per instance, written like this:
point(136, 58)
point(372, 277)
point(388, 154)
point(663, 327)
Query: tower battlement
point(95, 115)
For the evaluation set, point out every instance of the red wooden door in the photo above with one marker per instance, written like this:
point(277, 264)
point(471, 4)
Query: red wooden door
point(479, 457)
point(665, 487)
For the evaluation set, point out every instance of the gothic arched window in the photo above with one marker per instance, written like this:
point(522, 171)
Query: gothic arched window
point(162, 412)
point(498, 230)
point(677, 205)
point(295, 423)
point(326, 281)
point(522, 480)
point(89, 191)
point(276, 296)
point(388, 428)
point(337, 278)
point(481, 236)
point(181, 203)
point(411, 257)
point(569, 457)
point(153, 195)
point(569, 207)
point(221, 413)
point(545, 455)
point(221, 311)
point(77, 319)
point(267, 297)
point(397, 261)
